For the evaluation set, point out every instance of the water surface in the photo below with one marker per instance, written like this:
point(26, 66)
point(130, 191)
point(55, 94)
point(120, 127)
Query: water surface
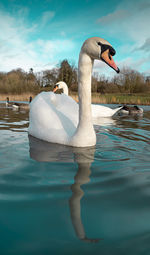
point(60, 200)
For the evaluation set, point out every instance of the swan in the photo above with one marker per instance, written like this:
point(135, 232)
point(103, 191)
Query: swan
point(97, 110)
point(16, 105)
point(47, 117)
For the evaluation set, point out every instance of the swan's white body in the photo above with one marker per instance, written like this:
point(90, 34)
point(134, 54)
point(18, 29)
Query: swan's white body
point(51, 117)
point(97, 110)
point(48, 118)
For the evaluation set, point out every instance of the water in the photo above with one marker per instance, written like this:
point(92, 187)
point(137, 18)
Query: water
point(60, 200)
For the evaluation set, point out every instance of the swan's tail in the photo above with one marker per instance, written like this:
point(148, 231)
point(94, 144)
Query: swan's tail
point(117, 109)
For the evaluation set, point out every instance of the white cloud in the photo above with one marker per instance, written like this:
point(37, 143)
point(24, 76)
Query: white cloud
point(47, 16)
point(130, 20)
point(129, 25)
point(18, 50)
point(113, 17)
point(15, 51)
point(62, 33)
point(55, 46)
point(145, 46)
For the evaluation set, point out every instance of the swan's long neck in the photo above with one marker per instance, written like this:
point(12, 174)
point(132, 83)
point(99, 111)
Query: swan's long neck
point(85, 134)
point(65, 89)
point(84, 89)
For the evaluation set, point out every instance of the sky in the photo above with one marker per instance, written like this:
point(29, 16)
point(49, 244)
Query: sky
point(39, 34)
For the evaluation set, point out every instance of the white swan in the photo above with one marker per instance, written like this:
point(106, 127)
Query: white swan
point(97, 110)
point(48, 118)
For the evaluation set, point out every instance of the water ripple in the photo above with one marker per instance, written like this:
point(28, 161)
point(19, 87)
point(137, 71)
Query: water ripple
point(50, 192)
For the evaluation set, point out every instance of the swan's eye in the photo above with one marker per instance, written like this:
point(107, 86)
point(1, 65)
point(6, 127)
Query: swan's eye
point(99, 43)
point(105, 47)
point(56, 86)
point(112, 51)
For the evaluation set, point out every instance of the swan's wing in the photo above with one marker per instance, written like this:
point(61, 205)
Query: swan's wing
point(64, 104)
point(69, 107)
point(47, 122)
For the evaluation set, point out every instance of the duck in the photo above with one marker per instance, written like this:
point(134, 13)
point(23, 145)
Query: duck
point(131, 110)
point(16, 105)
point(97, 110)
point(8, 104)
point(50, 115)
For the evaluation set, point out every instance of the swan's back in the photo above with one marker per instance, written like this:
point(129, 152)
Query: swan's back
point(51, 117)
point(103, 111)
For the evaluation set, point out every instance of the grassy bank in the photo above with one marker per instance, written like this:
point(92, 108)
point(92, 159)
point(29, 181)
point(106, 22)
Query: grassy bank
point(139, 99)
point(14, 97)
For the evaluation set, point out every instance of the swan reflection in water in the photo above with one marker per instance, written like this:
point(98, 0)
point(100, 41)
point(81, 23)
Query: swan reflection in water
point(47, 152)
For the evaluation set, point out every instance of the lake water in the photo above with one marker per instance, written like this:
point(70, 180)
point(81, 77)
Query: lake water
point(60, 200)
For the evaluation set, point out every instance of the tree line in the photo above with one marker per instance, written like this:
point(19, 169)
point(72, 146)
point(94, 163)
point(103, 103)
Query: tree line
point(18, 81)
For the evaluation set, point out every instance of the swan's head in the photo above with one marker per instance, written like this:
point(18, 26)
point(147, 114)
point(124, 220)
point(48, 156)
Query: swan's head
point(98, 48)
point(59, 85)
point(56, 87)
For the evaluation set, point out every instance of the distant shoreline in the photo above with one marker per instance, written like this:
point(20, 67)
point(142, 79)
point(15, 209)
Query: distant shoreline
point(17, 97)
point(138, 99)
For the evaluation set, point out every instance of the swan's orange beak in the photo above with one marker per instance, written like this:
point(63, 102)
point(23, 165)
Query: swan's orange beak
point(107, 58)
point(55, 88)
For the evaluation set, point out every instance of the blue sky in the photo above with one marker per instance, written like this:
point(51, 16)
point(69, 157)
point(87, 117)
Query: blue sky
point(41, 33)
